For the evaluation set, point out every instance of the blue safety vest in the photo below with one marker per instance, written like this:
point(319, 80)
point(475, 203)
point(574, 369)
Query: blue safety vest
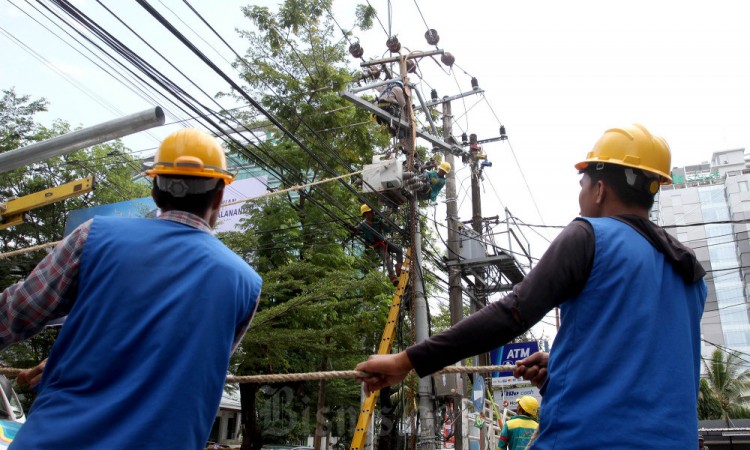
point(624, 367)
point(141, 360)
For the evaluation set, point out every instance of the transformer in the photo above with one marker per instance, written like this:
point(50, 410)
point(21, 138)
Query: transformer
point(382, 175)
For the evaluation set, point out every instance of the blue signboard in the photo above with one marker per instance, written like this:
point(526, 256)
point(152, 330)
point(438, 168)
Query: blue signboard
point(140, 207)
point(478, 393)
point(508, 354)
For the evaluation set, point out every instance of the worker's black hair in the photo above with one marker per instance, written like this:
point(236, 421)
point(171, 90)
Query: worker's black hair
point(197, 204)
point(635, 194)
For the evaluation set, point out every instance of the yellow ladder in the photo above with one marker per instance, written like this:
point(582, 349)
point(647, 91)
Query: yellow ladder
point(365, 416)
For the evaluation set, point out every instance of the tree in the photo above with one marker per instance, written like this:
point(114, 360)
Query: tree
point(113, 169)
point(723, 389)
point(323, 305)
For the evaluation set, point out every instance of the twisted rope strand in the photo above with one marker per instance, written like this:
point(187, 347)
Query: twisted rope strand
point(311, 376)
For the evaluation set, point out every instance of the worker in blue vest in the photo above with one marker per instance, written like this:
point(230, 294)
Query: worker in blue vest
point(631, 299)
point(155, 308)
point(518, 430)
point(435, 181)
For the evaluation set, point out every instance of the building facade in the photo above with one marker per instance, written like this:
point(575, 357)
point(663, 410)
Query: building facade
point(708, 209)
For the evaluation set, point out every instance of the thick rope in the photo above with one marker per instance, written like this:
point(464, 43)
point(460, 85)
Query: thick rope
point(27, 250)
point(293, 188)
point(10, 372)
point(311, 376)
point(250, 199)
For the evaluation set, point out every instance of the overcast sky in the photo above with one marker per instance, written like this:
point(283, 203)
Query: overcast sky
point(557, 74)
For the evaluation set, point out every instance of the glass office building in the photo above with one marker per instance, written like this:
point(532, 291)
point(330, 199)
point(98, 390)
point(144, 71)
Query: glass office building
point(708, 209)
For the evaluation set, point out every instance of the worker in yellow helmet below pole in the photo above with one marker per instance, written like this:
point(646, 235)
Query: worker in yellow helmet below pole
point(373, 230)
point(435, 182)
point(518, 430)
point(155, 308)
point(631, 299)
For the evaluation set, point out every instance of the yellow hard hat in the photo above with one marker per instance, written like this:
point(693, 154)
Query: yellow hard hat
point(529, 404)
point(190, 152)
point(363, 209)
point(632, 146)
point(445, 166)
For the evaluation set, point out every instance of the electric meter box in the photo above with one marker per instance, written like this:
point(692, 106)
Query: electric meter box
point(382, 175)
point(448, 384)
point(471, 244)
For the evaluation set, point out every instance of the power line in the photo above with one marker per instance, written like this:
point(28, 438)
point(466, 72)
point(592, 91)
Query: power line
point(302, 121)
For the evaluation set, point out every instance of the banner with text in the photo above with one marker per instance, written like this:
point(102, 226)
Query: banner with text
point(229, 216)
point(508, 354)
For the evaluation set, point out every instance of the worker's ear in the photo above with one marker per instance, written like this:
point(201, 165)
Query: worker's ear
point(216, 203)
point(601, 190)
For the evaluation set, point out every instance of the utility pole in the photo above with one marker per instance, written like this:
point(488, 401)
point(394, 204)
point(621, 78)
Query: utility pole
point(477, 223)
point(420, 324)
point(455, 296)
point(454, 273)
point(480, 293)
point(419, 305)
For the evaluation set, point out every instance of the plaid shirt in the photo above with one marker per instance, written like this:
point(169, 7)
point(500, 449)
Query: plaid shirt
point(50, 290)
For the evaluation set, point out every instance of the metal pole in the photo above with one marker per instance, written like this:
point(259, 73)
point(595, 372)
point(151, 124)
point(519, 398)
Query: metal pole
point(476, 223)
point(421, 324)
point(455, 299)
point(83, 138)
point(421, 327)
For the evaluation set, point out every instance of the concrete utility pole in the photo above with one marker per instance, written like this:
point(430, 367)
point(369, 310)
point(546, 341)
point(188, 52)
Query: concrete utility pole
point(421, 323)
point(480, 293)
point(454, 272)
point(455, 296)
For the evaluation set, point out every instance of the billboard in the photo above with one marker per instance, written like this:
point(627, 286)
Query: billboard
point(229, 216)
point(140, 207)
point(508, 396)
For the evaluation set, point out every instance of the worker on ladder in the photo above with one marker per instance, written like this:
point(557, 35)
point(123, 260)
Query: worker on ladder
point(373, 230)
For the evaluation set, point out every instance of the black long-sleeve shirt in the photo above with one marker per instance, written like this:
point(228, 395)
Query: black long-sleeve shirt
point(560, 274)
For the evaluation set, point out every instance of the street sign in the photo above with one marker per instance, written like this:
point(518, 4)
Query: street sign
point(508, 355)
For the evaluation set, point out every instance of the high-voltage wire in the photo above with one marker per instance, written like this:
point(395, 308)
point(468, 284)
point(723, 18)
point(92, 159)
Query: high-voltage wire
point(157, 77)
point(302, 121)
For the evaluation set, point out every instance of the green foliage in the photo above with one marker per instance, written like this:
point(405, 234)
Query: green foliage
point(709, 407)
point(365, 14)
point(113, 169)
point(722, 391)
point(323, 306)
point(17, 120)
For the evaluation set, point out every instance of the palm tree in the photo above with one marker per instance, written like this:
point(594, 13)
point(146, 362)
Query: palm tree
point(725, 384)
